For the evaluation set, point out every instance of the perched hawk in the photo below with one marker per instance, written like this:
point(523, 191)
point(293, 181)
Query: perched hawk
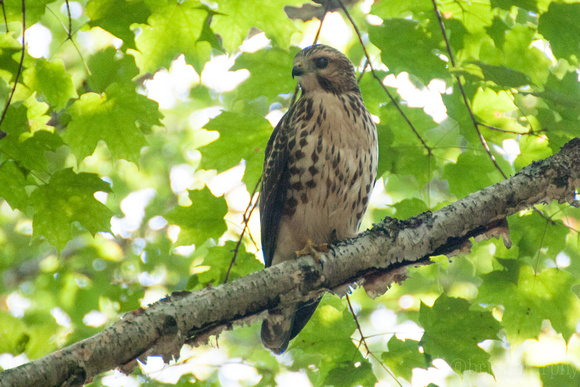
point(320, 168)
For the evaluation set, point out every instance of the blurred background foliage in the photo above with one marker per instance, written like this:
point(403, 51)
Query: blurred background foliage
point(134, 139)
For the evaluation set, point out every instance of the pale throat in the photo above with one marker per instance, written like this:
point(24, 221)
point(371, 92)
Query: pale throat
point(309, 83)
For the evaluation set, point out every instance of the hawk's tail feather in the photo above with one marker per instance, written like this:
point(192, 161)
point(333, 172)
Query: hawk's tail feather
point(283, 325)
point(304, 311)
point(276, 329)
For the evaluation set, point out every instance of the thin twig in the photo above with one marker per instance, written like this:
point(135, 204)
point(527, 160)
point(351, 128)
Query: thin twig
point(2, 134)
point(363, 340)
point(463, 94)
point(69, 19)
point(362, 336)
point(531, 130)
point(246, 219)
point(364, 70)
point(4, 13)
point(397, 106)
point(495, 128)
point(393, 100)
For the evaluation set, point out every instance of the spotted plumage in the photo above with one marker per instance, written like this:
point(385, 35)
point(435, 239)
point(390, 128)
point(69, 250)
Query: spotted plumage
point(320, 167)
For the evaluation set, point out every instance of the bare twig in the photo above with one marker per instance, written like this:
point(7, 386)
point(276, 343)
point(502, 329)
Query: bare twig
point(463, 94)
point(246, 219)
point(363, 340)
point(69, 35)
point(4, 14)
point(363, 71)
point(69, 19)
point(20, 64)
point(494, 128)
point(393, 100)
point(362, 336)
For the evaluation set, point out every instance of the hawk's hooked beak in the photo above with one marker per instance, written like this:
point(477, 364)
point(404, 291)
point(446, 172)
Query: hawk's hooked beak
point(297, 70)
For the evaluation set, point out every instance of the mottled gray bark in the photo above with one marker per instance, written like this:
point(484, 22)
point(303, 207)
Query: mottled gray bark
point(380, 254)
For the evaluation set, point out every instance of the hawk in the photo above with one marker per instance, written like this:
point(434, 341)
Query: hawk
point(319, 170)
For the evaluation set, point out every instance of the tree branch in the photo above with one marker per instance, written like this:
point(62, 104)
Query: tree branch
point(382, 252)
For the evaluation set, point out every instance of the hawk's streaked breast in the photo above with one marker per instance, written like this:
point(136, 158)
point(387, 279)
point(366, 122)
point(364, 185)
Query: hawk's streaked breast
point(332, 163)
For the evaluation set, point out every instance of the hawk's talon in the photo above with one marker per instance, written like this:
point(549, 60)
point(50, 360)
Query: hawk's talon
point(313, 250)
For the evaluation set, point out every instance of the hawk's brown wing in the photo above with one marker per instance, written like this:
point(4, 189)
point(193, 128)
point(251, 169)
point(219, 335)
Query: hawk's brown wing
point(275, 182)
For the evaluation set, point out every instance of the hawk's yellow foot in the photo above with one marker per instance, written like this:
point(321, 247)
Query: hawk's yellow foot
point(313, 250)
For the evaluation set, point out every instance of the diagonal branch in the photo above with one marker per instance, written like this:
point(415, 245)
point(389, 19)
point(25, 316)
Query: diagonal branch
point(382, 252)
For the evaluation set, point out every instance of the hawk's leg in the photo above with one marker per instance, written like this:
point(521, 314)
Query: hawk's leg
point(313, 250)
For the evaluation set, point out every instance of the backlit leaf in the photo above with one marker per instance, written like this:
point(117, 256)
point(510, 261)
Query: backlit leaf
point(202, 220)
point(69, 197)
point(453, 331)
point(116, 117)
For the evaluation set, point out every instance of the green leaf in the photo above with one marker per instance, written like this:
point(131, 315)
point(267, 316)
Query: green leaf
point(532, 148)
point(207, 35)
point(560, 27)
point(529, 298)
point(405, 155)
point(403, 356)
point(456, 33)
point(13, 333)
point(116, 118)
point(373, 93)
point(242, 136)
point(529, 5)
point(9, 46)
point(386, 138)
point(34, 10)
point(559, 375)
point(325, 343)
point(23, 145)
point(472, 172)
point(202, 220)
point(392, 9)
point(503, 76)
point(350, 373)
point(270, 74)
point(421, 121)
point(69, 197)
point(409, 207)
point(518, 54)
point(401, 42)
point(237, 17)
point(456, 110)
point(497, 31)
point(496, 109)
point(538, 235)
point(110, 66)
point(40, 324)
point(51, 81)
point(452, 332)
point(172, 30)
point(220, 257)
point(12, 187)
point(475, 16)
point(562, 95)
point(117, 16)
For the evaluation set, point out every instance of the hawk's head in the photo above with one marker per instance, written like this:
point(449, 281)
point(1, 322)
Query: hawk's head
point(320, 67)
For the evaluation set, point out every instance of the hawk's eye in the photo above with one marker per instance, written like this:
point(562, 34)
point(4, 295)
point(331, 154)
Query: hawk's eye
point(321, 62)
